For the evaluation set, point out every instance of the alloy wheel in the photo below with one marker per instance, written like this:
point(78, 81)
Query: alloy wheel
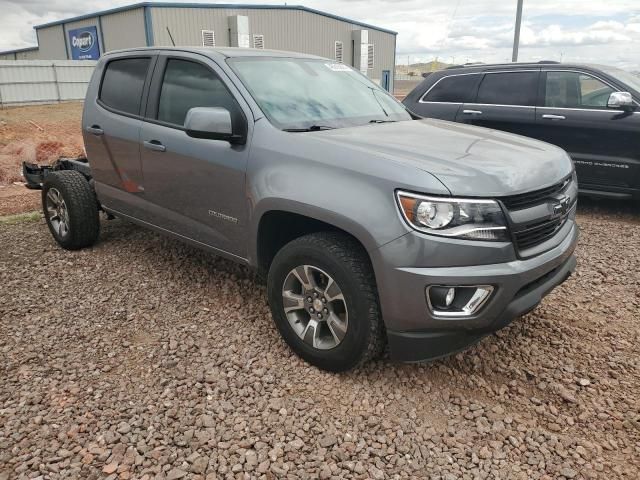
point(57, 211)
point(315, 307)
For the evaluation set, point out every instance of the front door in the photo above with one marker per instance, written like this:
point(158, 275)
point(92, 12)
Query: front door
point(195, 187)
point(603, 143)
point(505, 101)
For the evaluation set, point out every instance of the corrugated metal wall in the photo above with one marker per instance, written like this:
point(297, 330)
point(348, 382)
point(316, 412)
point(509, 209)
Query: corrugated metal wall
point(51, 43)
point(294, 30)
point(282, 29)
point(124, 30)
point(28, 55)
point(42, 81)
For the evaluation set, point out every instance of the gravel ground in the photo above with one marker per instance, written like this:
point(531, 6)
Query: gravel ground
point(144, 358)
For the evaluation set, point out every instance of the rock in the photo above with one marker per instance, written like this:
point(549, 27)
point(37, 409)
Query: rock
point(568, 473)
point(376, 473)
point(176, 473)
point(123, 428)
point(200, 465)
point(566, 395)
point(327, 441)
point(111, 468)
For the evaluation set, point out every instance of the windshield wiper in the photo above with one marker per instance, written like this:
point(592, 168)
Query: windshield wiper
point(377, 120)
point(312, 128)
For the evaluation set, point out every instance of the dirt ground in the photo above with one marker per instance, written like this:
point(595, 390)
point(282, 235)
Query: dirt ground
point(37, 134)
point(144, 358)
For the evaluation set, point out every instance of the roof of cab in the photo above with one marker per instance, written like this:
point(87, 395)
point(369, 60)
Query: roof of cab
point(220, 52)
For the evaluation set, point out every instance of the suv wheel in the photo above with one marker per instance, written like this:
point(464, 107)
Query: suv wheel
point(324, 301)
point(70, 209)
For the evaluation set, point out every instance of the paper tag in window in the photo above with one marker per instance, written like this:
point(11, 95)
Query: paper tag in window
point(338, 67)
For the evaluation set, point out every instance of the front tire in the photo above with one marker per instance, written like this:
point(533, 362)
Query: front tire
point(323, 298)
point(70, 209)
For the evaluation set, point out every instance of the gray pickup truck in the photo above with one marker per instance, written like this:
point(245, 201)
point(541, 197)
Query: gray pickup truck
point(372, 228)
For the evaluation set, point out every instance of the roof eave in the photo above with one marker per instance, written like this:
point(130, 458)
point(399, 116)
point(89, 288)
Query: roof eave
point(135, 6)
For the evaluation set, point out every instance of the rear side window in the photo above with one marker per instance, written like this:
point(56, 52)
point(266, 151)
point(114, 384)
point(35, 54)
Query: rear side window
point(188, 84)
point(455, 89)
point(123, 83)
point(509, 88)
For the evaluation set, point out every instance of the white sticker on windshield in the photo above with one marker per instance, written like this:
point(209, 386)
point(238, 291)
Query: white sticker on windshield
point(338, 67)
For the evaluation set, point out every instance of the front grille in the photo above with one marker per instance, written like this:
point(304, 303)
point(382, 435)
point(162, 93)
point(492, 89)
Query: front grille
point(538, 233)
point(530, 199)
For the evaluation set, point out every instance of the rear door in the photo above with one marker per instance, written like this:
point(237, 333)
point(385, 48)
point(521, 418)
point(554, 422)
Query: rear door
point(604, 143)
point(444, 98)
point(505, 101)
point(195, 187)
point(111, 129)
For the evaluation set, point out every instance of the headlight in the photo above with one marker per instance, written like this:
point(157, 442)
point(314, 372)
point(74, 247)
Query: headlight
point(454, 217)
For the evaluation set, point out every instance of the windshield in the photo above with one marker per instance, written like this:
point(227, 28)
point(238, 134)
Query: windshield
point(625, 77)
point(297, 93)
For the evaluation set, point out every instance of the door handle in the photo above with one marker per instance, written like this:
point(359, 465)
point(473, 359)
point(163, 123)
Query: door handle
point(154, 145)
point(554, 117)
point(472, 112)
point(95, 130)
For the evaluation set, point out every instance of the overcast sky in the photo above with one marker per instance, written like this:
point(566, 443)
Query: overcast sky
point(603, 31)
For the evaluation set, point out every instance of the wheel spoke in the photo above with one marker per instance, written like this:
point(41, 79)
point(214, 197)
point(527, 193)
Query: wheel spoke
point(292, 301)
point(304, 276)
point(333, 292)
point(337, 327)
point(311, 333)
point(54, 196)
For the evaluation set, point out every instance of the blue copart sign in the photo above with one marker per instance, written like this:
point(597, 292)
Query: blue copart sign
point(84, 43)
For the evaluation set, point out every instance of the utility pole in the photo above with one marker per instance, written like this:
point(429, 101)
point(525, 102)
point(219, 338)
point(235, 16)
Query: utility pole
point(516, 36)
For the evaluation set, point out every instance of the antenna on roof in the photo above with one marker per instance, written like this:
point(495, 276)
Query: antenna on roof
point(171, 37)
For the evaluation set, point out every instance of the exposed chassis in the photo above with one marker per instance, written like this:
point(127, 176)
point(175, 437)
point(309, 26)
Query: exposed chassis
point(35, 174)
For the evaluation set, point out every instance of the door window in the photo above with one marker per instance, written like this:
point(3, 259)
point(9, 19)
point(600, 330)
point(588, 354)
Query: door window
point(575, 90)
point(189, 84)
point(123, 83)
point(509, 88)
point(454, 89)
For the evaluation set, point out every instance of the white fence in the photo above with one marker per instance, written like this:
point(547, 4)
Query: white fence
point(43, 81)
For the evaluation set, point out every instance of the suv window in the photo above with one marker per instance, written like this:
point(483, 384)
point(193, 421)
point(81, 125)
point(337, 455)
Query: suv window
point(123, 83)
point(454, 89)
point(509, 88)
point(189, 84)
point(575, 90)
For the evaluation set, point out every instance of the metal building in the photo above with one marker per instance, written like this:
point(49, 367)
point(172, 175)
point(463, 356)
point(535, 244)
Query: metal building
point(282, 27)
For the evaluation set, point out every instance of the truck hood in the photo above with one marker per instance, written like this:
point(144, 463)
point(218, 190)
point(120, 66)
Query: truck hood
point(468, 160)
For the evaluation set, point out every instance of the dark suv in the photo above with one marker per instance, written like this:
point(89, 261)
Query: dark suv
point(590, 111)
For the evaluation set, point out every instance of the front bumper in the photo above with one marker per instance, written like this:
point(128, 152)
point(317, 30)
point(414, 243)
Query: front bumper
point(415, 333)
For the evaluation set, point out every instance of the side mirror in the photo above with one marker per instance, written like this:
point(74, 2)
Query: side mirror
point(622, 100)
point(213, 123)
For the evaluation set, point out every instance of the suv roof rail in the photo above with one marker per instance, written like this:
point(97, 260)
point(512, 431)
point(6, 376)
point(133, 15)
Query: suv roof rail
point(552, 62)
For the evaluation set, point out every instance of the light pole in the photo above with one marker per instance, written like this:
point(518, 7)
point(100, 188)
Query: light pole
point(516, 36)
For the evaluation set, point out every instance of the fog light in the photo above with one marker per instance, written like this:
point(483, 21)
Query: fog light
point(450, 296)
point(459, 301)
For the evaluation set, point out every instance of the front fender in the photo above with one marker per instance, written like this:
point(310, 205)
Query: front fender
point(342, 187)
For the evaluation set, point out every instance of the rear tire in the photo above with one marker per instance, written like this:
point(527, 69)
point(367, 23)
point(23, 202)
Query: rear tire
point(70, 209)
point(331, 272)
